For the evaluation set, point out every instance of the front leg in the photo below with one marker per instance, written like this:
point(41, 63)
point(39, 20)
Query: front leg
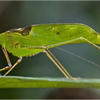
point(8, 60)
point(18, 61)
point(10, 67)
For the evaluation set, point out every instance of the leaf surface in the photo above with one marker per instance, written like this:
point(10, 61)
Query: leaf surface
point(34, 82)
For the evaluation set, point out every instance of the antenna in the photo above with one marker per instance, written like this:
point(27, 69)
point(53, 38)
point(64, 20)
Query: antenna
point(79, 57)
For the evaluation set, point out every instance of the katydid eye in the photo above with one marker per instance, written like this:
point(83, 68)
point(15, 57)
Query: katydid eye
point(26, 31)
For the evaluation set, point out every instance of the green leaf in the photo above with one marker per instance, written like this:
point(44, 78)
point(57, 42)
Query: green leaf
point(34, 82)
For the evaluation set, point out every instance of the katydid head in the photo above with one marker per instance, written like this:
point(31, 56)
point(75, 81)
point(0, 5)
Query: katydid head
point(15, 38)
point(23, 31)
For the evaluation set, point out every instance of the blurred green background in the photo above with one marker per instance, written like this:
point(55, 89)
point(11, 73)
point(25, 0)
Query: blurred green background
point(15, 14)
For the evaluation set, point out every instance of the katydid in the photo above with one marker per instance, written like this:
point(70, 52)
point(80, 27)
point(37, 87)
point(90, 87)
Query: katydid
point(34, 39)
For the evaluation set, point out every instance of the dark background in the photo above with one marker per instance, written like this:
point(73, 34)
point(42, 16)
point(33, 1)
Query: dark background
point(14, 14)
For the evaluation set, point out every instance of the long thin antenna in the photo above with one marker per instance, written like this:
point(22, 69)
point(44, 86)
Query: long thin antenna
point(79, 57)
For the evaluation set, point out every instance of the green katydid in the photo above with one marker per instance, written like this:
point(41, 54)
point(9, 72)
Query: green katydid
point(34, 39)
